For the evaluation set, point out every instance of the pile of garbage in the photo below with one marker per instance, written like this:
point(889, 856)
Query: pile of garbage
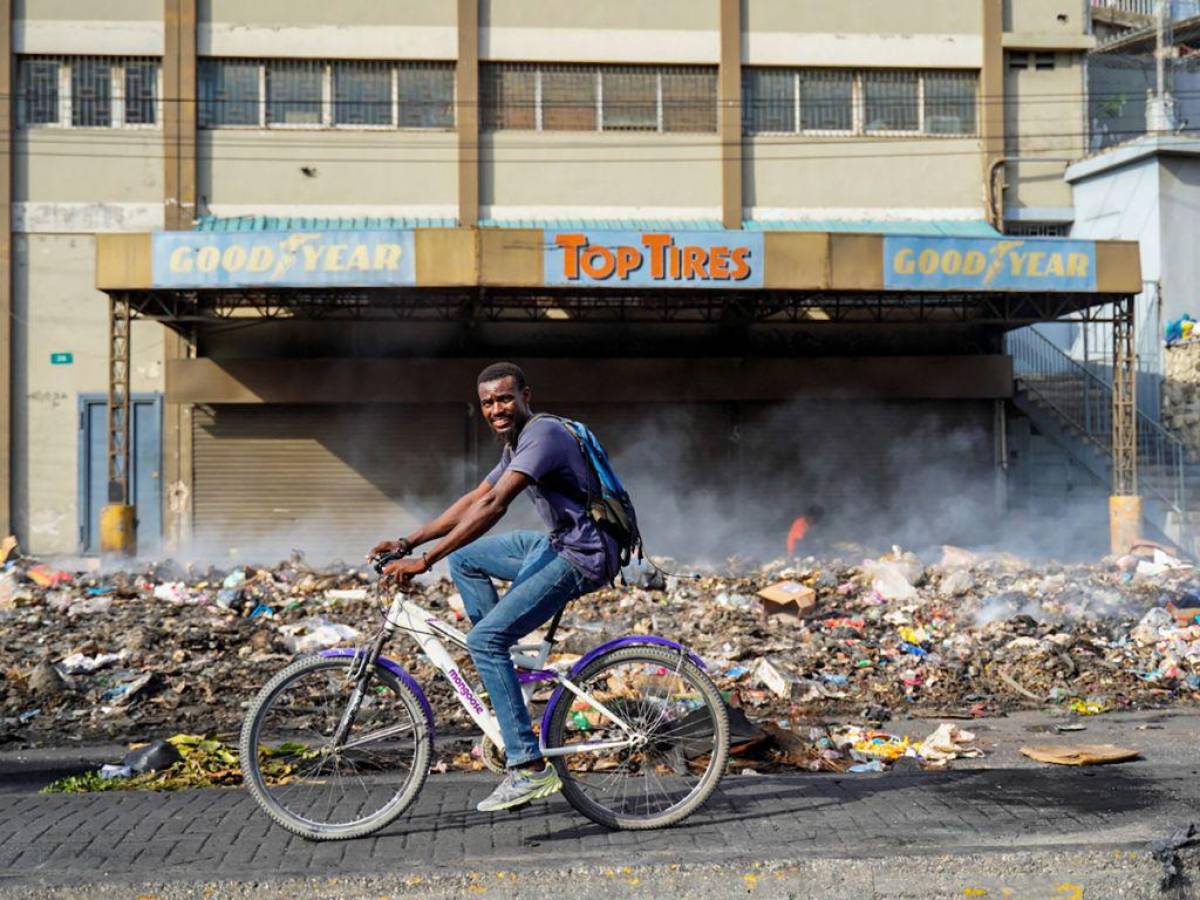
point(815, 654)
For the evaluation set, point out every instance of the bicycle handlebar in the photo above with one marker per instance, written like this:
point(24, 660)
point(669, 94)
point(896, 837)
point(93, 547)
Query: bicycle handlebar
point(378, 562)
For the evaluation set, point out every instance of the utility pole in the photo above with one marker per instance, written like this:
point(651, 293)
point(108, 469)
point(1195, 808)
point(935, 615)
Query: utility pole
point(1160, 106)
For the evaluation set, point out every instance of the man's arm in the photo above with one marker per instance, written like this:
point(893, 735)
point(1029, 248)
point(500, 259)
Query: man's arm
point(438, 527)
point(480, 515)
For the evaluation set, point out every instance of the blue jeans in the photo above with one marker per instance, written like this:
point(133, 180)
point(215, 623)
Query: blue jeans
point(542, 584)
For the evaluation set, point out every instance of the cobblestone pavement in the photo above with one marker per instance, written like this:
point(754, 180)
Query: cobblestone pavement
point(220, 834)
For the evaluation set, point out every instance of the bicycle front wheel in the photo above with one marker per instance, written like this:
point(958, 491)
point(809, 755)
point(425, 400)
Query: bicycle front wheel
point(325, 792)
point(679, 713)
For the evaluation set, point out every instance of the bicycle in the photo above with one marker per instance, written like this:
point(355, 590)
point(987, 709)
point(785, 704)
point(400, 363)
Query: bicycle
point(636, 729)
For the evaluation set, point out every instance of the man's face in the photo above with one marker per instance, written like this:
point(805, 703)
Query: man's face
point(505, 406)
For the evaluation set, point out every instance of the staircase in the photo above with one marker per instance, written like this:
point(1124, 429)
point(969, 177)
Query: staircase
point(1072, 405)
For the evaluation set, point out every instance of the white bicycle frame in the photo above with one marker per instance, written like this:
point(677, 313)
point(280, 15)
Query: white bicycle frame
point(425, 629)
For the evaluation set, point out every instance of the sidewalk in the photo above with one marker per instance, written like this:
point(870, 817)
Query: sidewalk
point(888, 823)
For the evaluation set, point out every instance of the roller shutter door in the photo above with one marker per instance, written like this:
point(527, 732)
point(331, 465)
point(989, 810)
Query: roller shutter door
point(329, 480)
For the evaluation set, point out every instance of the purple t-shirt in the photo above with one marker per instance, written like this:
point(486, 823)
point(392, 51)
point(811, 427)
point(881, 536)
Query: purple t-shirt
point(550, 456)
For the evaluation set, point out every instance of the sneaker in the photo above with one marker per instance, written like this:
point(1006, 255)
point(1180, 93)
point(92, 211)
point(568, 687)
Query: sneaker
point(520, 787)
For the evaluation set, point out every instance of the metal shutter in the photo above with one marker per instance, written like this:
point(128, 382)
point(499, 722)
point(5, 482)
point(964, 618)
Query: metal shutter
point(329, 480)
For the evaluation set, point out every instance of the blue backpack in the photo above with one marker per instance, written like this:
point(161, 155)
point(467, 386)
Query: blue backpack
point(612, 511)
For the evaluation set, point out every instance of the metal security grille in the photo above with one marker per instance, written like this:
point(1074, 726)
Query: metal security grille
point(842, 101)
point(525, 96)
point(325, 94)
point(1038, 229)
point(87, 91)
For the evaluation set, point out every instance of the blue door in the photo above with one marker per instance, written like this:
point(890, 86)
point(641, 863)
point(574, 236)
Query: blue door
point(145, 472)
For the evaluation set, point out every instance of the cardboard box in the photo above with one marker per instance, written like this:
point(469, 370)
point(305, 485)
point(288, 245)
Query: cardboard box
point(790, 601)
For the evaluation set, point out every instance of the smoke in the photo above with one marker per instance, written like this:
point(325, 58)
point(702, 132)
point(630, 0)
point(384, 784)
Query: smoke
point(709, 482)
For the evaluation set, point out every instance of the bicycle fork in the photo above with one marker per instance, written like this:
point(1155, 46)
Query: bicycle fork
point(361, 667)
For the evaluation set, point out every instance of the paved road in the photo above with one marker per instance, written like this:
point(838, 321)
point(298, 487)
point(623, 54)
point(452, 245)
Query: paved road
point(221, 835)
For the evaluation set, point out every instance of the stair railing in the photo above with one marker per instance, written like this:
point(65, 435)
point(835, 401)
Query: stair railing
point(1082, 400)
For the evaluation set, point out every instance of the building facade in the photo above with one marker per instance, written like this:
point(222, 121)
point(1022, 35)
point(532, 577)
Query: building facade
point(758, 116)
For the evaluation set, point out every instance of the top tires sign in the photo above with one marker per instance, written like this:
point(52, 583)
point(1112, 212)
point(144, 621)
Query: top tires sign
point(683, 259)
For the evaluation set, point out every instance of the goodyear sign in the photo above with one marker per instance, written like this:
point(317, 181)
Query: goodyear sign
point(1006, 264)
point(684, 259)
point(283, 259)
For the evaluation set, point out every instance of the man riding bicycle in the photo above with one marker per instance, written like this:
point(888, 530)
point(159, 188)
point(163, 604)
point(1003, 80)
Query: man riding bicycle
point(546, 571)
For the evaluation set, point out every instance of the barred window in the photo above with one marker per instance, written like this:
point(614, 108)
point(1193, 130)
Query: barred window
point(568, 100)
point(141, 92)
point(826, 100)
point(950, 103)
point(87, 91)
point(362, 93)
point(294, 92)
point(38, 90)
point(229, 91)
point(520, 96)
point(784, 101)
point(426, 96)
point(629, 101)
point(1038, 229)
point(316, 93)
point(891, 100)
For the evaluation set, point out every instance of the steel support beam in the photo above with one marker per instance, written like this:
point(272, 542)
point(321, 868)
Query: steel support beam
point(1124, 410)
point(118, 399)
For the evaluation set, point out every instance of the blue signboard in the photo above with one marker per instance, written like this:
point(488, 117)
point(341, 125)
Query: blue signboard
point(62, 358)
point(184, 259)
point(988, 264)
point(659, 259)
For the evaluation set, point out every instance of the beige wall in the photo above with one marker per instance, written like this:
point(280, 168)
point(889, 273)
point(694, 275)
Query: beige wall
point(1044, 116)
point(91, 164)
point(56, 309)
point(1042, 17)
point(861, 173)
point(863, 16)
point(693, 15)
point(644, 174)
point(323, 12)
point(124, 10)
point(377, 168)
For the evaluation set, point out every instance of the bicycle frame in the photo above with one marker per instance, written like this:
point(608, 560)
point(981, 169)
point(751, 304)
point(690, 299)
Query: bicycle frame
point(425, 629)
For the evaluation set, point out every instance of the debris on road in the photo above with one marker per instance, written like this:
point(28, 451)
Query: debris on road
point(859, 639)
point(1080, 754)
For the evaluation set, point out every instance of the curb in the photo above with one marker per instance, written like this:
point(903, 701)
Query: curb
point(55, 762)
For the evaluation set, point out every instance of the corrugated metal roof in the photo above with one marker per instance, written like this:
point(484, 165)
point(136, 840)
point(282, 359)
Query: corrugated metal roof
point(942, 227)
point(307, 223)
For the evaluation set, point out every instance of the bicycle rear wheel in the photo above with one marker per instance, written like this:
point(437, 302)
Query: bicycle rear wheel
point(314, 790)
point(667, 698)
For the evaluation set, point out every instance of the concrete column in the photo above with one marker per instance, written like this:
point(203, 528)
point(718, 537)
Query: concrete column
point(466, 82)
point(179, 211)
point(729, 104)
point(991, 107)
point(7, 83)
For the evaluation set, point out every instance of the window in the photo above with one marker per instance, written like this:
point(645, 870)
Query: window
point(362, 93)
point(843, 101)
point(630, 101)
point(826, 100)
point(950, 103)
point(1043, 61)
point(317, 94)
point(39, 91)
point(1018, 61)
point(1038, 229)
point(87, 91)
point(891, 101)
point(426, 96)
point(769, 100)
point(141, 81)
point(589, 98)
point(294, 92)
point(228, 91)
point(568, 100)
